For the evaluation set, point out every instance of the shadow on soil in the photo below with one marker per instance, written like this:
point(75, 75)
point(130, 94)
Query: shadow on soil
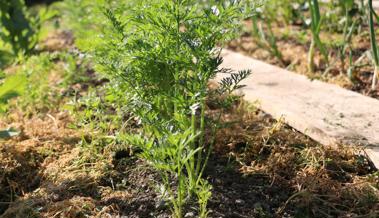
point(19, 174)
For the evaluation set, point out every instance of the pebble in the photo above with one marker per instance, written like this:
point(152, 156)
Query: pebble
point(160, 204)
point(189, 215)
point(240, 201)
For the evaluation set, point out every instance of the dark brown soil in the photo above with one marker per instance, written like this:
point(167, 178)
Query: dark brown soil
point(263, 168)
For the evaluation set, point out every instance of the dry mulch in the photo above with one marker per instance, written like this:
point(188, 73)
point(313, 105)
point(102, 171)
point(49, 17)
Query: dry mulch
point(260, 167)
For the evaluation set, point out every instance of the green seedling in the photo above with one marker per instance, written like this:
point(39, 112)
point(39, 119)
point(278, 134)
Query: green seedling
point(266, 39)
point(345, 49)
point(316, 22)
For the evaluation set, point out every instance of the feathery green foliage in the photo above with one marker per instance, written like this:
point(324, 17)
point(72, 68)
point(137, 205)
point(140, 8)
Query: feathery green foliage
point(164, 53)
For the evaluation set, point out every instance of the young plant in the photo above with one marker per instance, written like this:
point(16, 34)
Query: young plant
point(164, 53)
point(266, 39)
point(374, 47)
point(345, 49)
point(283, 12)
point(316, 21)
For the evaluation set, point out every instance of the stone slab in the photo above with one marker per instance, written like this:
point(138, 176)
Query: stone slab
point(325, 112)
point(375, 4)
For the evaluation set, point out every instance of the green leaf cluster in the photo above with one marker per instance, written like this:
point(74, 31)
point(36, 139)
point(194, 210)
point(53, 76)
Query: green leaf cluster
point(164, 54)
point(13, 86)
point(17, 28)
point(20, 29)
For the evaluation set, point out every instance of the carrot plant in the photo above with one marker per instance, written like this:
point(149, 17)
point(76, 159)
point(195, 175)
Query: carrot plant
point(163, 53)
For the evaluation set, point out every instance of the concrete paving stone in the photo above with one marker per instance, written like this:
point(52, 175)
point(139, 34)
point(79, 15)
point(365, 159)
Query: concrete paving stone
point(325, 112)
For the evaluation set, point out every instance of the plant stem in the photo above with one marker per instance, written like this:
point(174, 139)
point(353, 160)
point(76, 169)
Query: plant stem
point(316, 21)
point(179, 191)
point(375, 77)
point(202, 134)
point(374, 47)
point(311, 54)
point(191, 170)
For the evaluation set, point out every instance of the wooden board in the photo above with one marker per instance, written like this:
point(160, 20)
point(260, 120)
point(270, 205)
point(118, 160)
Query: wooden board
point(327, 113)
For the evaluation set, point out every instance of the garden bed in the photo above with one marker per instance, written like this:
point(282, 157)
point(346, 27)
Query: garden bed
point(285, 40)
point(97, 132)
point(295, 56)
point(281, 34)
point(260, 167)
